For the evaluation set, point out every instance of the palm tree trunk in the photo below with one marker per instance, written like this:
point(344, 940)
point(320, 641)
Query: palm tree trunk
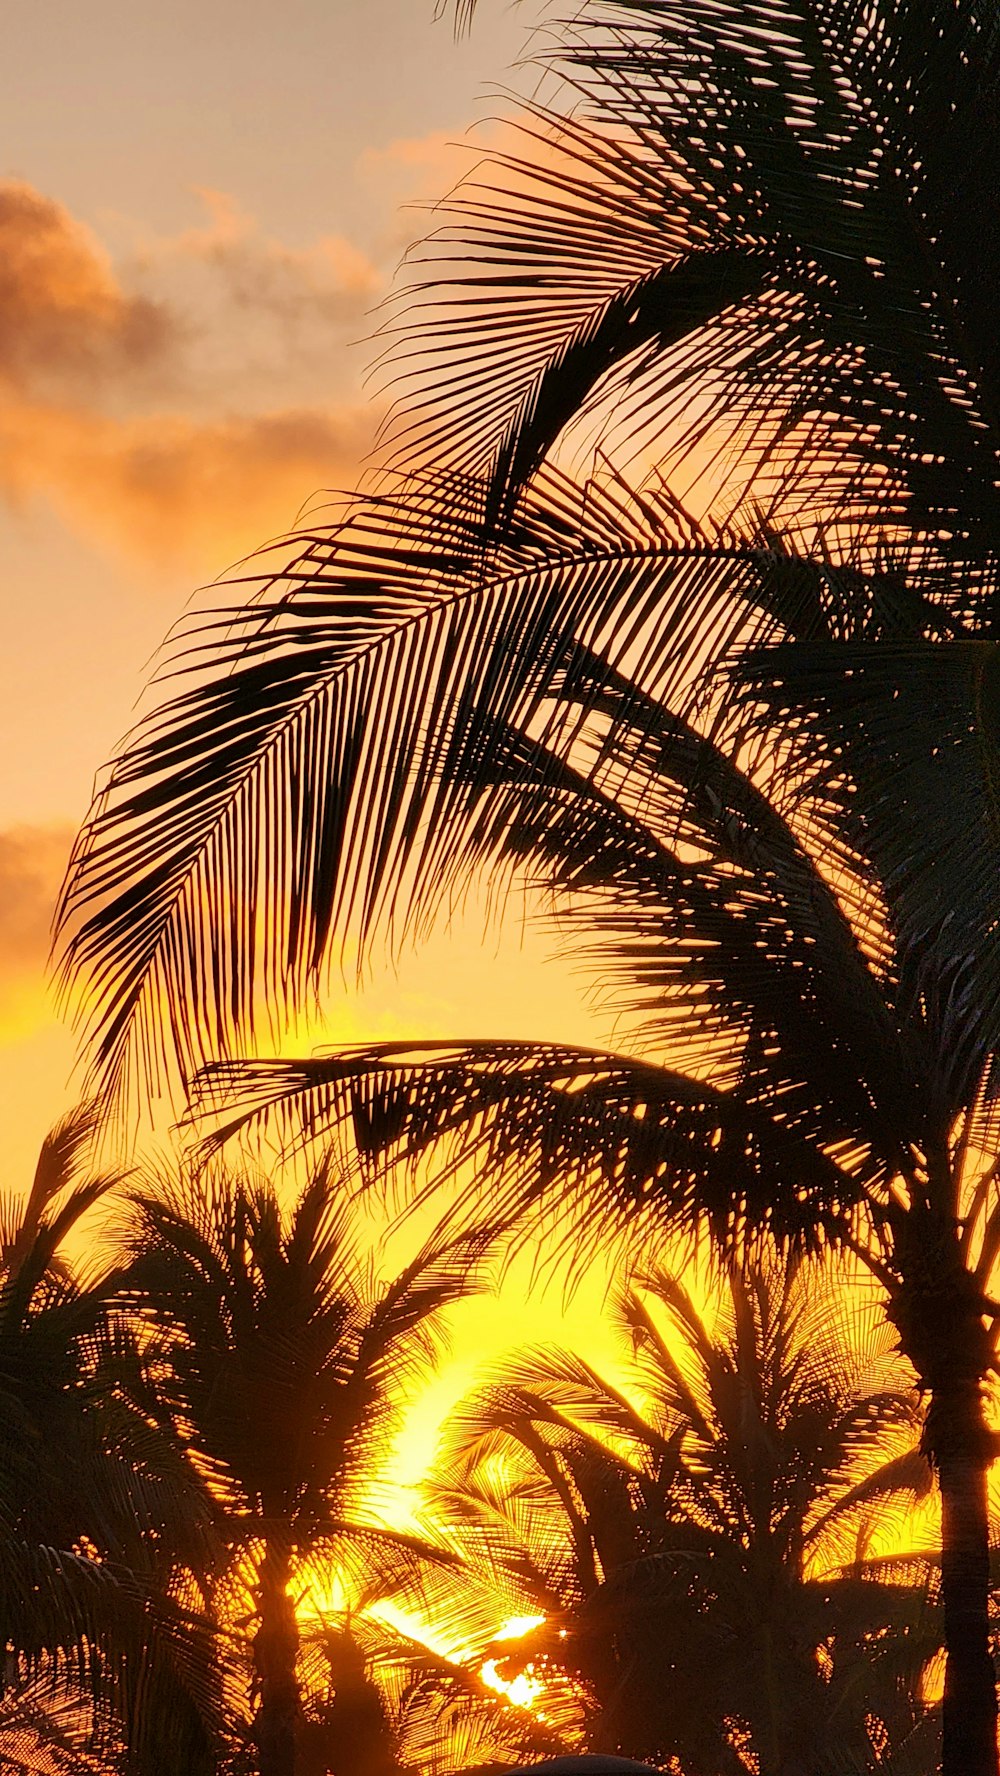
point(275, 1651)
point(939, 1313)
point(970, 1702)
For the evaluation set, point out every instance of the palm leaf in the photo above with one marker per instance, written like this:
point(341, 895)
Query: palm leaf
point(331, 756)
point(750, 230)
point(545, 1121)
point(901, 742)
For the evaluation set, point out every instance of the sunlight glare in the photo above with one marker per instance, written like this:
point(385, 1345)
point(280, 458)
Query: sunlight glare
point(523, 1690)
point(515, 1626)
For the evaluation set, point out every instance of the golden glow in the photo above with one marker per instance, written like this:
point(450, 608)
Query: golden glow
point(523, 1690)
point(518, 1626)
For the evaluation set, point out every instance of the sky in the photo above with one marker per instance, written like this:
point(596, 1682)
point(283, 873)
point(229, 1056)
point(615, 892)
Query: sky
point(201, 207)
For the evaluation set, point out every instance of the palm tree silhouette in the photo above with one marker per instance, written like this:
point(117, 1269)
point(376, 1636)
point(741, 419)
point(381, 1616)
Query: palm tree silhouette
point(280, 1359)
point(104, 1657)
point(836, 1032)
point(695, 1559)
point(383, 1701)
point(763, 237)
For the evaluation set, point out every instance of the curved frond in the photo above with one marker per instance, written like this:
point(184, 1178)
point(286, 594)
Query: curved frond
point(765, 232)
point(331, 758)
point(542, 1123)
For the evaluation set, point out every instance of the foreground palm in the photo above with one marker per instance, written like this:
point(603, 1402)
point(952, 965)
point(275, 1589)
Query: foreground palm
point(773, 242)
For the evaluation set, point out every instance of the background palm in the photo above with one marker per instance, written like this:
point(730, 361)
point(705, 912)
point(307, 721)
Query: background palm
point(770, 237)
point(282, 1362)
point(695, 1557)
point(383, 1702)
point(99, 1521)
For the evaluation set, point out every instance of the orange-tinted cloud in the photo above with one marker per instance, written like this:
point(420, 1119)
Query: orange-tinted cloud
point(173, 490)
point(419, 160)
point(331, 279)
point(166, 425)
point(63, 314)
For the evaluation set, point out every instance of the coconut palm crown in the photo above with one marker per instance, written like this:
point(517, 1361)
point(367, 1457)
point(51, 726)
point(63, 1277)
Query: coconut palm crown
point(690, 1546)
point(281, 1359)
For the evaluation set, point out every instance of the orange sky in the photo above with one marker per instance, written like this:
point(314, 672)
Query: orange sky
point(199, 209)
point(200, 206)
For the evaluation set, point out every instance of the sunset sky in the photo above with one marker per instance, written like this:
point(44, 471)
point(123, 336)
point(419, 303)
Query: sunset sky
point(201, 207)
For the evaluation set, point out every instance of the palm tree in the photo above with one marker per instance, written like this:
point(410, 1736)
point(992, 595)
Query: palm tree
point(762, 238)
point(99, 1520)
point(695, 1560)
point(281, 1361)
point(383, 1702)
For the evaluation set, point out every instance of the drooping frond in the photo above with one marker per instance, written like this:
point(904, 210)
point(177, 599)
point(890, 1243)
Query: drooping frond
point(331, 757)
point(900, 744)
point(333, 742)
point(544, 1123)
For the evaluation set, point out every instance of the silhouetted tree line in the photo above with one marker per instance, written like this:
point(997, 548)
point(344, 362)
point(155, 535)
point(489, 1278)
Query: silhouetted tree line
point(194, 1428)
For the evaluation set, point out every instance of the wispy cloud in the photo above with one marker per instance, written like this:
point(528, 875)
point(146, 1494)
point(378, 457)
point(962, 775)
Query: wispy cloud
point(175, 490)
point(181, 401)
point(331, 279)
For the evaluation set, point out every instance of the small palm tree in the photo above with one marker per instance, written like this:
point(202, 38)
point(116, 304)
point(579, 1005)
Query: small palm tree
point(281, 1362)
point(99, 1519)
point(688, 1554)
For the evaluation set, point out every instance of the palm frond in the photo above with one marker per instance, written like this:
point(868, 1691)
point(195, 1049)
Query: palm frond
point(901, 742)
point(753, 234)
point(330, 759)
point(545, 1122)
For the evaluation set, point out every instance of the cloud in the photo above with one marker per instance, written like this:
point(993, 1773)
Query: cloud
point(332, 280)
point(64, 316)
point(218, 314)
point(32, 862)
point(183, 424)
point(176, 491)
point(418, 160)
